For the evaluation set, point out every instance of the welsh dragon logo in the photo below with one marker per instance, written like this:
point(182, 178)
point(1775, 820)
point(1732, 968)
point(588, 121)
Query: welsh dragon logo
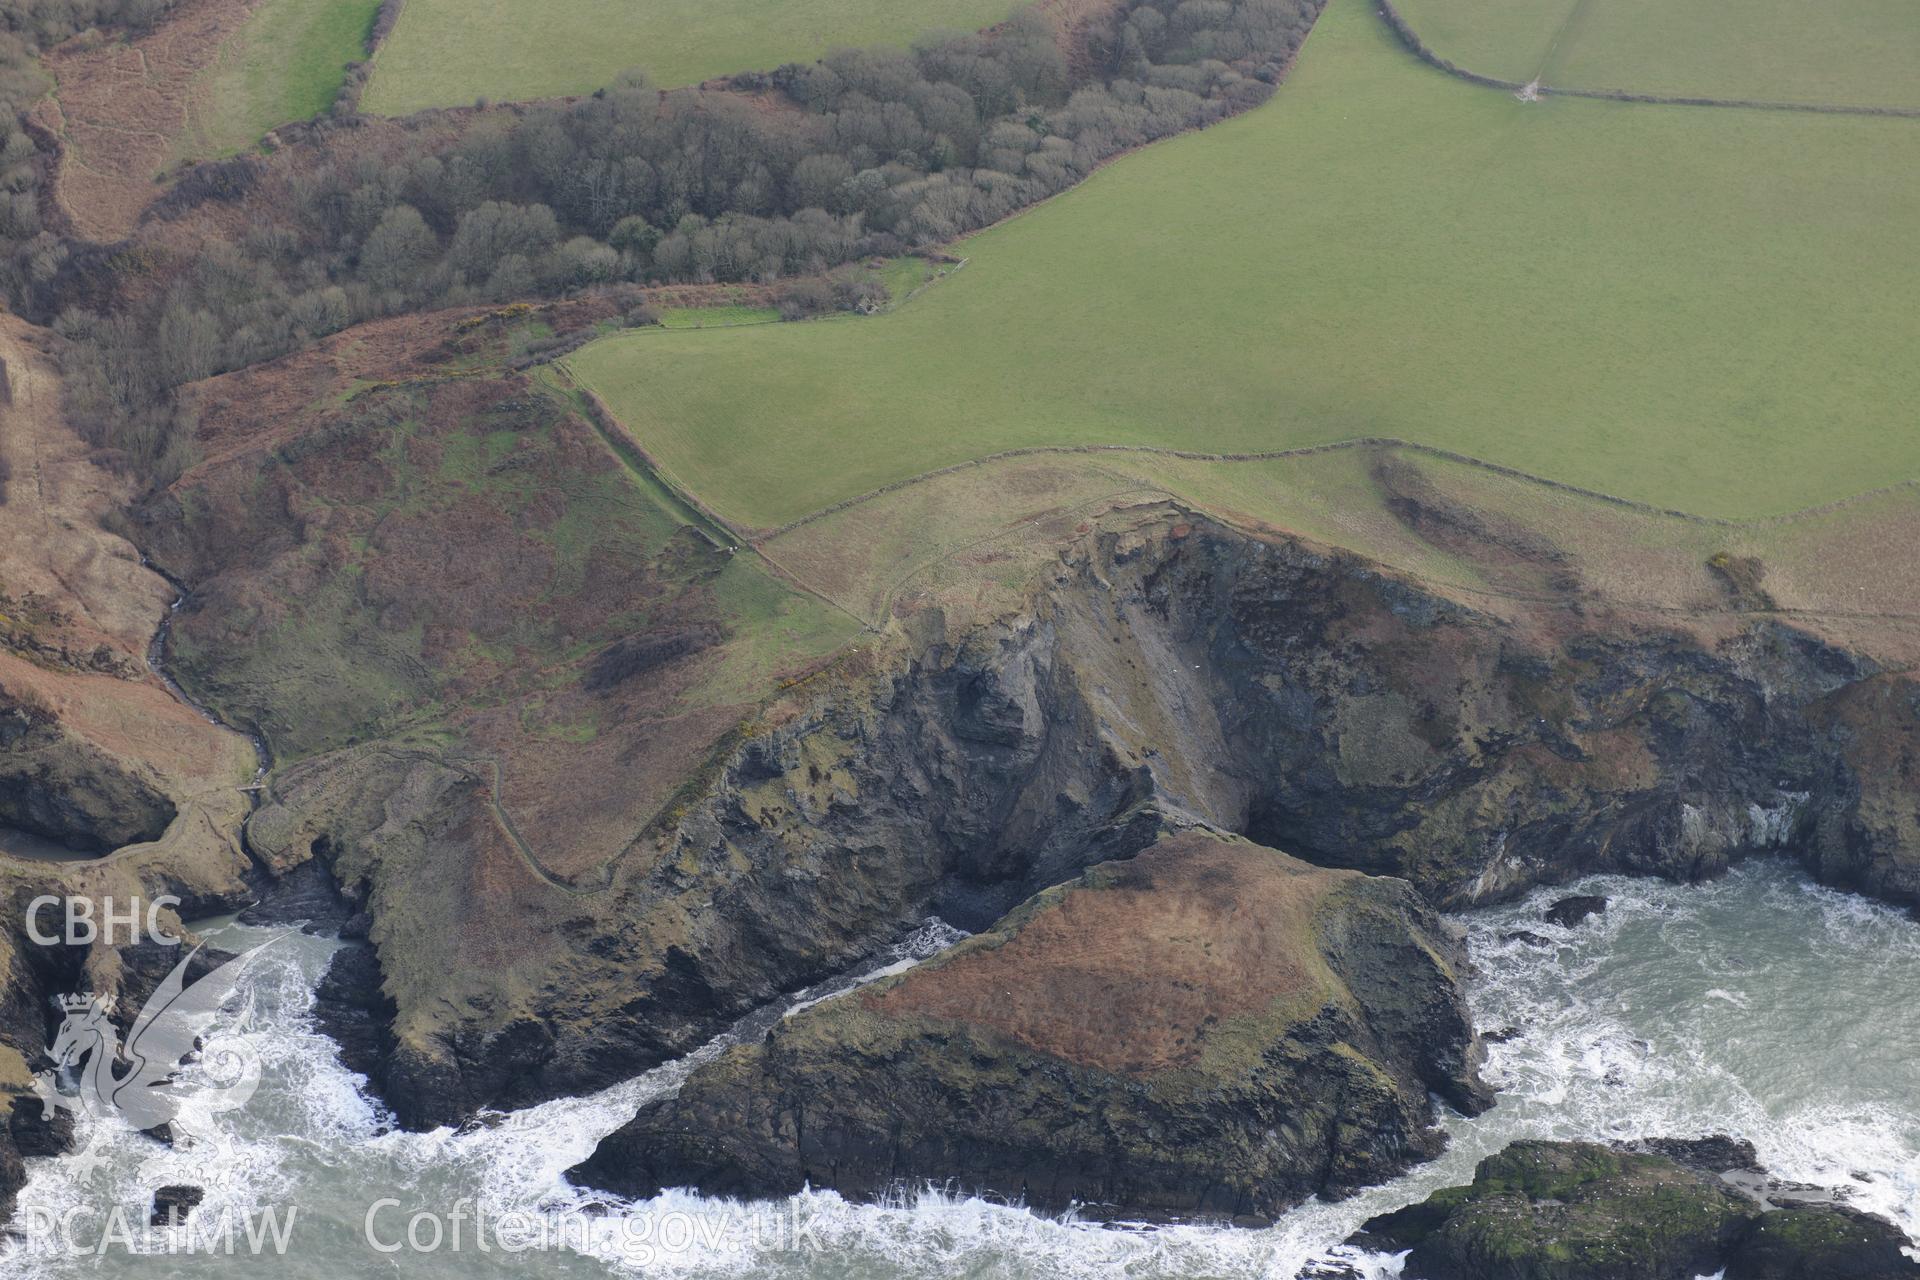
point(139, 1083)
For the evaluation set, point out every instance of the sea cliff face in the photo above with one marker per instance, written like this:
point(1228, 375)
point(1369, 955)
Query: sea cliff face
point(1168, 672)
point(1165, 673)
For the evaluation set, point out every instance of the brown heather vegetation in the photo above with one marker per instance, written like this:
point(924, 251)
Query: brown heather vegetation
point(1226, 943)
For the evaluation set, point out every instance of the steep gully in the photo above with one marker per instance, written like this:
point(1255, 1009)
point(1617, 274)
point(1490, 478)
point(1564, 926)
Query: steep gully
point(157, 663)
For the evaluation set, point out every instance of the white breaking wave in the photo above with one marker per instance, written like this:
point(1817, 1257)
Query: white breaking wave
point(1758, 1006)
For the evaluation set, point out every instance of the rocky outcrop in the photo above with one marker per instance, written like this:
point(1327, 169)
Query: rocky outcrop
point(1812, 1242)
point(174, 1203)
point(1569, 912)
point(350, 1006)
point(1863, 832)
point(33, 975)
point(1666, 1211)
point(1169, 671)
point(306, 896)
point(1207, 1028)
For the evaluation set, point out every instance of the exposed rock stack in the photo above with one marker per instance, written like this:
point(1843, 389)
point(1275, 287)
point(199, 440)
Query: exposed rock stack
point(1665, 1211)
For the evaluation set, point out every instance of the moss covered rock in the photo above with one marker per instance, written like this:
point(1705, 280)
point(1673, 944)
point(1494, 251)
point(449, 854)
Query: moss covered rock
point(1582, 1211)
point(1821, 1242)
point(1210, 1027)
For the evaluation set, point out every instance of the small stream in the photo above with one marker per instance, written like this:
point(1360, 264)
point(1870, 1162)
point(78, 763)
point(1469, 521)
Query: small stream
point(1759, 1005)
point(28, 846)
point(157, 663)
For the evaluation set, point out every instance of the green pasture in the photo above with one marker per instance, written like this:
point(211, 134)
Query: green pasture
point(286, 64)
point(449, 52)
point(1845, 52)
point(1701, 308)
point(717, 317)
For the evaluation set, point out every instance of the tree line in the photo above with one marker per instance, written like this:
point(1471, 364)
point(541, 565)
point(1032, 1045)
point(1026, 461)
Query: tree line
point(791, 172)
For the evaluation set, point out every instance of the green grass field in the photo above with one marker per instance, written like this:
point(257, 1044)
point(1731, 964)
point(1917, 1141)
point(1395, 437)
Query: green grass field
point(717, 317)
point(286, 64)
point(1702, 308)
point(1847, 52)
point(449, 52)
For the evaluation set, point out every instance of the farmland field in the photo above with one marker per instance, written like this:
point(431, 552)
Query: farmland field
point(1700, 308)
point(1850, 52)
point(449, 52)
point(285, 64)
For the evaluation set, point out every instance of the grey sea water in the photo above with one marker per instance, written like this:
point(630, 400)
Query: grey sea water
point(1759, 1005)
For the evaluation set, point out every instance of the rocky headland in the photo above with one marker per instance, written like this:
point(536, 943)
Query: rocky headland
point(110, 787)
point(572, 851)
point(1168, 672)
point(1207, 1028)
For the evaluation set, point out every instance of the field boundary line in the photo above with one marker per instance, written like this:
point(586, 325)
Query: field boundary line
point(1426, 53)
point(890, 594)
point(1335, 446)
point(385, 18)
point(1141, 487)
point(706, 521)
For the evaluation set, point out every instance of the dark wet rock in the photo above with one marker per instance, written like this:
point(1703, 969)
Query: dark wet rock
point(146, 964)
point(1208, 1028)
point(481, 1123)
point(306, 895)
point(13, 1174)
point(126, 975)
point(1823, 1242)
point(1569, 912)
point(1527, 937)
point(1583, 1211)
point(172, 1204)
point(351, 1005)
point(1321, 1269)
point(1717, 1153)
point(1501, 1035)
point(38, 1131)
